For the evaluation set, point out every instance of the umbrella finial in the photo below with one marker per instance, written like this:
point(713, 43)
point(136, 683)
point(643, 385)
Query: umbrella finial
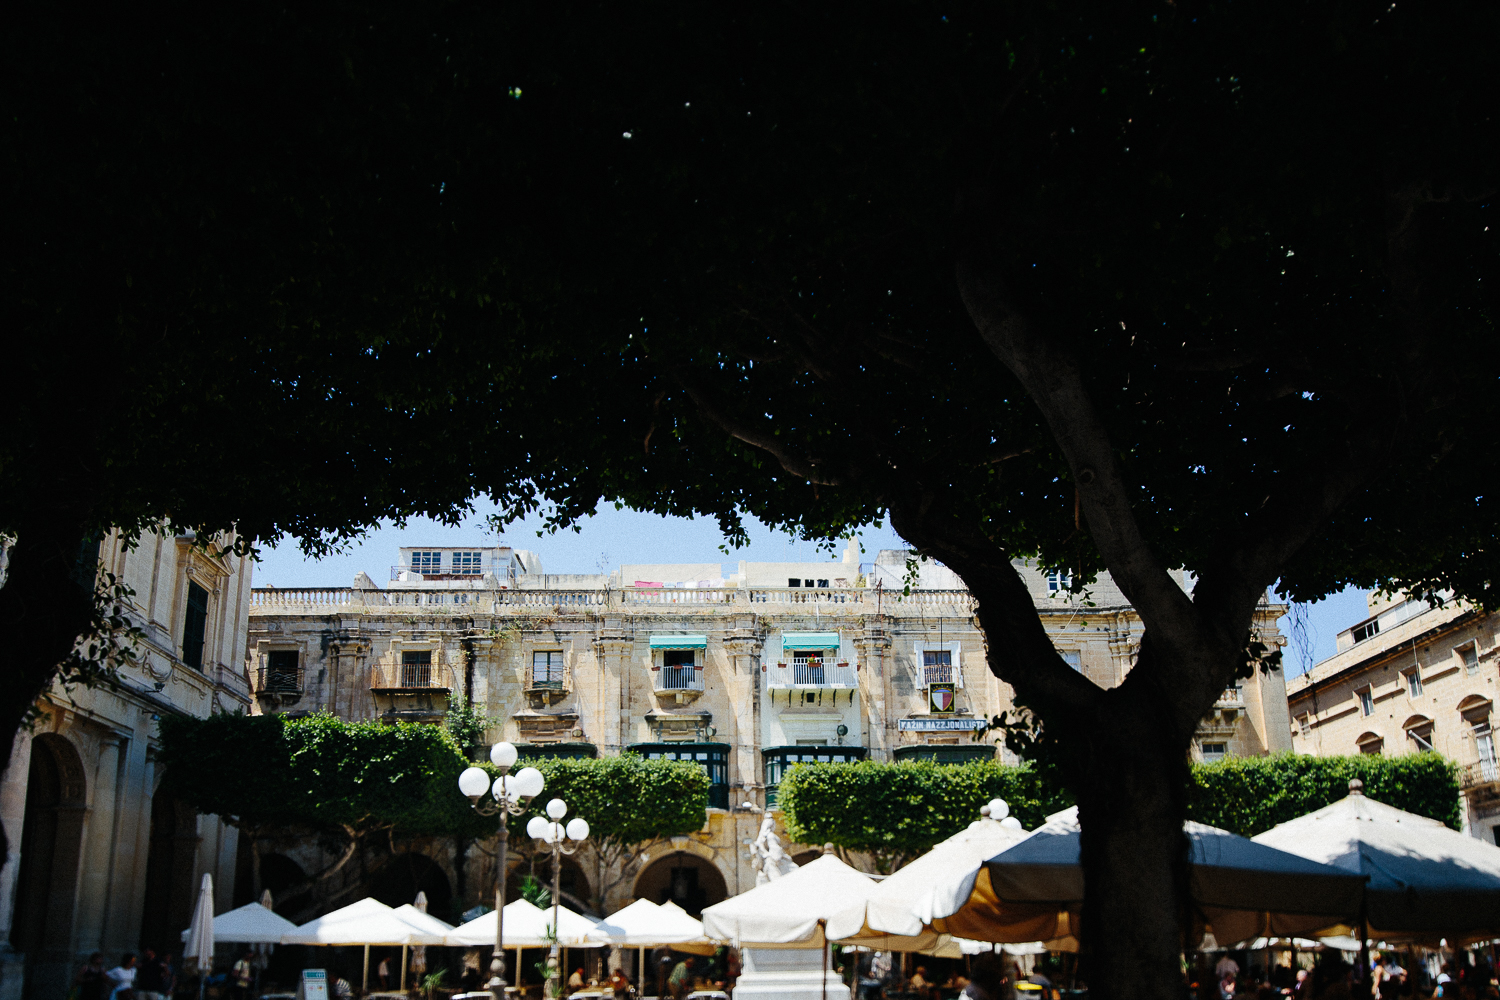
point(1356, 787)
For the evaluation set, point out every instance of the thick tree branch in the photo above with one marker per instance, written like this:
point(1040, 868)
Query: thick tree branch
point(1055, 384)
point(1020, 651)
point(800, 465)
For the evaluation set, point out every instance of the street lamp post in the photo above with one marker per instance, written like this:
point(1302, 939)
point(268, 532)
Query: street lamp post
point(551, 832)
point(507, 797)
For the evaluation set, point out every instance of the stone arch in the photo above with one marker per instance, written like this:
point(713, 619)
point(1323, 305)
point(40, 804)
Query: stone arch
point(1418, 729)
point(1371, 743)
point(407, 874)
point(689, 876)
point(51, 851)
point(1475, 709)
point(171, 860)
point(281, 874)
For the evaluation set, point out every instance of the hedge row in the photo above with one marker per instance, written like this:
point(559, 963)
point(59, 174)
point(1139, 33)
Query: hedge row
point(902, 809)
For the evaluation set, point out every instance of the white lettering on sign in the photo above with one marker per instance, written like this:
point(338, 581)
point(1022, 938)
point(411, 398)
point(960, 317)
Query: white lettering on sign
point(939, 725)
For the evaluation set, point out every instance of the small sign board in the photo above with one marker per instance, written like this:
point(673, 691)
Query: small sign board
point(939, 725)
point(314, 985)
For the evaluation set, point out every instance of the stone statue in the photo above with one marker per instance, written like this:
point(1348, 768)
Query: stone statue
point(768, 857)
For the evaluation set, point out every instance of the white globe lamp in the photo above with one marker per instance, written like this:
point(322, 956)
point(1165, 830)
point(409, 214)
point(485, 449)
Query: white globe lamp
point(503, 754)
point(473, 782)
point(529, 782)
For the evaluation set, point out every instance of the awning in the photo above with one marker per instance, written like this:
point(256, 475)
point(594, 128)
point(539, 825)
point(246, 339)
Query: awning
point(809, 640)
point(679, 642)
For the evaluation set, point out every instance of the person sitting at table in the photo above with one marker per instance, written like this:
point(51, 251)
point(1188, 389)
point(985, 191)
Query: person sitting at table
point(575, 981)
point(619, 984)
point(919, 983)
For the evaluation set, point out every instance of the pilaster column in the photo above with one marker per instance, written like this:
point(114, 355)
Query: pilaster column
point(99, 850)
point(872, 648)
point(744, 644)
point(612, 648)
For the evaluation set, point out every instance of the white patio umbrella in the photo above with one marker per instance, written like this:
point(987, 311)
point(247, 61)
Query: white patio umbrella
point(252, 923)
point(1244, 888)
point(643, 924)
point(367, 922)
point(200, 939)
point(938, 885)
point(526, 926)
point(1425, 880)
point(790, 910)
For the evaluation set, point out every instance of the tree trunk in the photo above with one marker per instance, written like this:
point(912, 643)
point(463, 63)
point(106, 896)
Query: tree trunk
point(1131, 800)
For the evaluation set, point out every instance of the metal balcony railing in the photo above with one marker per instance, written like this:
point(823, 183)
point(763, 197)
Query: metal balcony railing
point(412, 677)
point(548, 678)
point(677, 679)
point(279, 680)
point(813, 674)
point(942, 674)
point(1480, 773)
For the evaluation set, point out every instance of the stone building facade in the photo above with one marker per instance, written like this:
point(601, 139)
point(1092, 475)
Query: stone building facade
point(98, 860)
point(745, 673)
point(1408, 678)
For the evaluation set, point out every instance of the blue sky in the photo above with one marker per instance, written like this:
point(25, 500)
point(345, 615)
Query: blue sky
point(613, 537)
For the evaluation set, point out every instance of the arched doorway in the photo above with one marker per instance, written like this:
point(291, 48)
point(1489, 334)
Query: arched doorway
point(572, 881)
point(170, 860)
point(405, 875)
point(47, 876)
point(685, 879)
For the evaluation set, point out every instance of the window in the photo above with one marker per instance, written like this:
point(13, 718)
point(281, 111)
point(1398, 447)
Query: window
point(1363, 632)
point(427, 562)
point(547, 669)
point(677, 670)
point(1484, 751)
point(937, 666)
point(1366, 702)
point(466, 563)
point(1414, 682)
point(194, 626)
point(823, 584)
point(1059, 582)
point(1304, 726)
point(1371, 743)
point(281, 671)
point(1469, 653)
point(1215, 751)
point(1419, 729)
point(795, 581)
point(1072, 658)
point(416, 668)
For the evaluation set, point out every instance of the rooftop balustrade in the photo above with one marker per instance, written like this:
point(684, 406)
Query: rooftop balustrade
point(314, 600)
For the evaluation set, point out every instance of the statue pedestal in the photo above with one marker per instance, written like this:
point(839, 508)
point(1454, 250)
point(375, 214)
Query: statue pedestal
point(787, 974)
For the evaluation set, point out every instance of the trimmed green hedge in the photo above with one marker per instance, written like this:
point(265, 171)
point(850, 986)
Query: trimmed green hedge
point(896, 811)
point(899, 810)
point(1249, 795)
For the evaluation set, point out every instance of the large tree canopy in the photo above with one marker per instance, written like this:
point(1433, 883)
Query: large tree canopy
point(1123, 287)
